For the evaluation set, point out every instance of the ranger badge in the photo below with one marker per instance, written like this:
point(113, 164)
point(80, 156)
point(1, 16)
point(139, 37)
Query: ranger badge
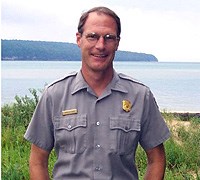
point(126, 105)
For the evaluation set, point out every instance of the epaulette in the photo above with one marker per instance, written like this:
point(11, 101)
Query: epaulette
point(123, 76)
point(74, 73)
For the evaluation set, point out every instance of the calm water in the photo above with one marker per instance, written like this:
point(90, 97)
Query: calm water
point(176, 86)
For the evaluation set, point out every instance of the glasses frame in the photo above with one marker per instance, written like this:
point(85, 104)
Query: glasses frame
point(108, 38)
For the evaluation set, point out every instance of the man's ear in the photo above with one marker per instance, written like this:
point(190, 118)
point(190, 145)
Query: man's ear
point(117, 45)
point(78, 39)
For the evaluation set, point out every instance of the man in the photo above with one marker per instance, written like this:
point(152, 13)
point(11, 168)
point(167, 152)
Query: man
point(95, 118)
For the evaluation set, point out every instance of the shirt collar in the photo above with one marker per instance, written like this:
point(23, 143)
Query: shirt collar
point(115, 84)
point(80, 83)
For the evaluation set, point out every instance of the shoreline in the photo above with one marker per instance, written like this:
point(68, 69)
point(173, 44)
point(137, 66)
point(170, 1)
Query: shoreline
point(183, 115)
point(180, 112)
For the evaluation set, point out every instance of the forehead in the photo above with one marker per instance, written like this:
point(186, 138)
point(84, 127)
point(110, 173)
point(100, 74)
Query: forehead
point(100, 22)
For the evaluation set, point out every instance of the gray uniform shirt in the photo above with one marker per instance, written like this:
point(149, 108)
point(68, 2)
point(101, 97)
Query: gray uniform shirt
point(96, 137)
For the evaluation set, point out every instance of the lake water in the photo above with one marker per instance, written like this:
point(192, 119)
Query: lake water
point(176, 86)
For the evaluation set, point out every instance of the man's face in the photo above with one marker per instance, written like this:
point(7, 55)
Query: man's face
point(98, 50)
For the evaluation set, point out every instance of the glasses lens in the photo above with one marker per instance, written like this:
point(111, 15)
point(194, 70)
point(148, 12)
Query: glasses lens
point(110, 38)
point(93, 37)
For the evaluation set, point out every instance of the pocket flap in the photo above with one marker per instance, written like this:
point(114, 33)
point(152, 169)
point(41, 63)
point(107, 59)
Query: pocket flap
point(125, 124)
point(70, 122)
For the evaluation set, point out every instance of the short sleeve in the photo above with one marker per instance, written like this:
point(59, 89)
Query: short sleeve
point(154, 130)
point(40, 129)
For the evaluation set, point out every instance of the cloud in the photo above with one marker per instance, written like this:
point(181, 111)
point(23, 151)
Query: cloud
point(168, 35)
point(158, 5)
point(35, 21)
point(42, 19)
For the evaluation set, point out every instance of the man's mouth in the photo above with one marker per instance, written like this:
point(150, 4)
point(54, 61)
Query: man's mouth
point(99, 55)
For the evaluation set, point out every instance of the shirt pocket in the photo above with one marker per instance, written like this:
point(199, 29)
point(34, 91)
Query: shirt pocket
point(124, 134)
point(70, 133)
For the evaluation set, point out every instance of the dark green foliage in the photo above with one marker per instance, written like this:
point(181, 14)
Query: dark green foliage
point(133, 56)
point(58, 51)
point(15, 149)
point(38, 50)
point(21, 110)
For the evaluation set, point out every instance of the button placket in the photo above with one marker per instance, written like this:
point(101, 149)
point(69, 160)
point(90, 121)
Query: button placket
point(98, 150)
point(98, 167)
point(97, 145)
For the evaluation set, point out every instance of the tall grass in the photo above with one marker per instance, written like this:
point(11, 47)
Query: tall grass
point(182, 149)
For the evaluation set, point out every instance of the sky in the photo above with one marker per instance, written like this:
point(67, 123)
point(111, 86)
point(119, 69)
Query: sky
point(168, 29)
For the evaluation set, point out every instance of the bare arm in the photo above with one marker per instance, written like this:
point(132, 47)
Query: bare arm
point(156, 163)
point(38, 163)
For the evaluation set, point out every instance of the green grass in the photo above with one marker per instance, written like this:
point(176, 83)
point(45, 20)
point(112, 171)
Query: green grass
point(182, 149)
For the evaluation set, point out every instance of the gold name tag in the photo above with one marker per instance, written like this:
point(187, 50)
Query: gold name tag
point(69, 112)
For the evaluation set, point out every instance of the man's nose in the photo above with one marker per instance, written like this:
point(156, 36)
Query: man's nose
point(100, 44)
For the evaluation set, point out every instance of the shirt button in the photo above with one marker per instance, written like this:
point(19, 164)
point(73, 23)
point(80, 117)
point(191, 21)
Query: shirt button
point(69, 126)
point(98, 146)
point(126, 128)
point(98, 168)
point(98, 123)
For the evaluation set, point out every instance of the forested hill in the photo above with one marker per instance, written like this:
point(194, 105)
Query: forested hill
point(56, 51)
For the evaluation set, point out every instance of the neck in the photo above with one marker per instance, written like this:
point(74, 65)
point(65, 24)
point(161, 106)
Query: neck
point(98, 80)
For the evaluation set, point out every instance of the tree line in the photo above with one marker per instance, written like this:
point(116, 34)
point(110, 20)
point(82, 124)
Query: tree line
point(56, 51)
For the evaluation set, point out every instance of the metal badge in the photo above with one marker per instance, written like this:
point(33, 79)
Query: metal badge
point(126, 105)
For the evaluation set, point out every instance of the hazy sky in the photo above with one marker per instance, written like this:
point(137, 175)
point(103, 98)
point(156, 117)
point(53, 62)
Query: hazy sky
point(169, 29)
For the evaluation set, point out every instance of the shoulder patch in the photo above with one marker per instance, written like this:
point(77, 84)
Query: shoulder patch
point(123, 76)
point(60, 79)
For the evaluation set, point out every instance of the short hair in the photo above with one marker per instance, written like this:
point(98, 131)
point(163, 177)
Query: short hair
point(103, 10)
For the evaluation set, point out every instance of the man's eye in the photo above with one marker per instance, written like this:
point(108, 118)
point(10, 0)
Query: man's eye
point(110, 37)
point(92, 36)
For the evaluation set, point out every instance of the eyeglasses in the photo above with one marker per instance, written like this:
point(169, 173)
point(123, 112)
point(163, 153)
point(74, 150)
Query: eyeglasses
point(108, 38)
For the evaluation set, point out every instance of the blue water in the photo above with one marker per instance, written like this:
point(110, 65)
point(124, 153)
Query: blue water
point(176, 86)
